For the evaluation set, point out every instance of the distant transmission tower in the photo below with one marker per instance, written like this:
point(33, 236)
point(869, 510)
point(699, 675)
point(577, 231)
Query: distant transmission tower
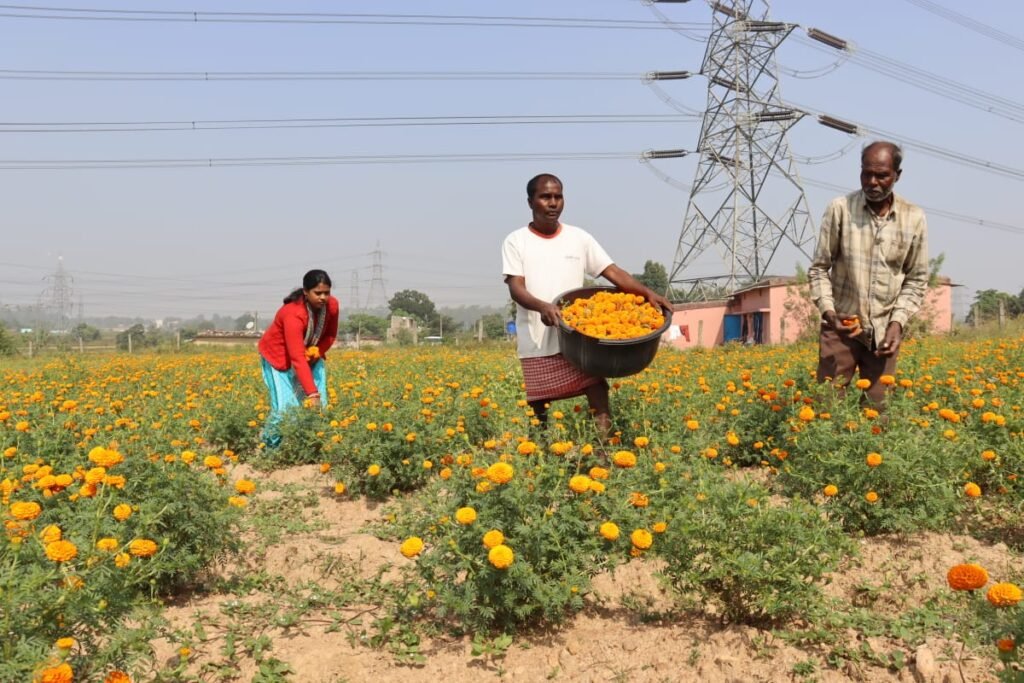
point(746, 198)
point(377, 298)
point(354, 291)
point(57, 297)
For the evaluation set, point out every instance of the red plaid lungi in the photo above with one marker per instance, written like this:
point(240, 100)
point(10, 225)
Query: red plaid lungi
point(550, 378)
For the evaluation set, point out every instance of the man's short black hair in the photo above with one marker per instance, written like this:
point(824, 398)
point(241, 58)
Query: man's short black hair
point(894, 149)
point(531, 187)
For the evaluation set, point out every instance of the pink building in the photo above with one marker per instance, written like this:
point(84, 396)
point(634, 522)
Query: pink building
point(775, 311)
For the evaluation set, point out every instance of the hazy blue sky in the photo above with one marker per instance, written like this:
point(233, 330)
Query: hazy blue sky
point(165, 242)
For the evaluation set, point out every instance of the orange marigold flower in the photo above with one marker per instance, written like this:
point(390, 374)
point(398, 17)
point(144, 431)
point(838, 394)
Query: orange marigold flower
point(142, 547)
point(105, 457)
point(526, 448)
point(641, 441)
point(972, 490)
point(598, 473)
point(373, 470)
point(62, 673)
point(806, 414)
point(61, 551)
point(966, 577)
point(874, 459)
point(50, 534)
point(641, 538)
point(692, 425)
point(610, 531)
point(25, 510)
point(121, 560)
point(493, 538)
point(465, 515)
point(65, 643)
point(213, 462)
point(887, 380)
point(624, 459)
point(871, 497)
point(988, 455)
point(238, 501)
point(1004, 595)
point(830, 490)
point(659, 527)
point(638, 500)
point(1006, 644)
point(411, 547)
point(579, 483)
point(501, 556)
point(500, 473)
point(122, 512)
point(245, 486)
point(107, 544)
point(863, 384)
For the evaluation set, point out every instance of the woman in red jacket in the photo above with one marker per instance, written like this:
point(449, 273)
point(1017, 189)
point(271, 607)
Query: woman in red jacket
point(293, 350)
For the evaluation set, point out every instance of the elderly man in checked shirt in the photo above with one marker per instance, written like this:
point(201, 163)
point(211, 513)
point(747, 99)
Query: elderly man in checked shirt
point(869, 274)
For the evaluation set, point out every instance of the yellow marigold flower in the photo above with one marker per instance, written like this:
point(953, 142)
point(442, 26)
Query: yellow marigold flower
point(1004, 595)
point(245, 486)
point(117, 677)
point(596, 486)
point(25, 511)
point(312, 353)
point(500, 473)
point(988, 455)
point(501, 556)
point(142, 547)
point(579, 483)
point(21, 426)
point(863, 384)
point(732, 439)
point(105, 457)
point(493, 538)
point(50, 534)
point(526, 448)
point(10, 451)
point(61, 551)
point(638, 500)
point(692, 425)
point(62, 673)
point(115, 480)
point(466, 515)
point(710, 453)
point(339, 489)
point(238, 501)
point(188, 456)
point(95, 475)
point(887, 380)
point(587, 449)
point(445, 473)
point(107, 544)
point(641, 441)
point(641, 538)
point(610, 531)
point(660, 467)
point(871, 497)
point(184, 652)
point(972, 490)
point(966, 577)
point(483, 486)
point(624, 459)
point(659, 527)
point(373, 470)
point(1006, 644)
point(410, 437)
point(65, 643)
point(121, 560)
point(874, 459)
point(806, 414)
point(411, 547)
point(325, 467)
point(830, 490)
point(122, 512)
point(213, 462)
point(598, 473)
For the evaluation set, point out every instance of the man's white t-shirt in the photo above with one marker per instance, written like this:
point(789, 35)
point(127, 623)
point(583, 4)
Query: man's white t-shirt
point(550, 266)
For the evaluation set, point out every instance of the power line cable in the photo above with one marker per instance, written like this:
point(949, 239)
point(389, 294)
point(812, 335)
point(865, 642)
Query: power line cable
point(196, 17)
point(65, 75)
point(969, 23)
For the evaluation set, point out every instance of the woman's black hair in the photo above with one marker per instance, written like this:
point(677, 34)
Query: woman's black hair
point(309, 281)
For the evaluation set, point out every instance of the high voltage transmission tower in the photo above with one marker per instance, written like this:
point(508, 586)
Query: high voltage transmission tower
point(57, 297)
point(746, 198)
point(377, 298)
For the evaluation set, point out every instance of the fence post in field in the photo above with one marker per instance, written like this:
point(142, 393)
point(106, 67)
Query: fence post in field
point(81, 345)
point(1002, 313)
point(177, 340)
point(29, 348)
point(129, 342)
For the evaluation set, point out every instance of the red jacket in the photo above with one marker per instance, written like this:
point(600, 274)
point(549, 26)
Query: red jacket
point(282, 342)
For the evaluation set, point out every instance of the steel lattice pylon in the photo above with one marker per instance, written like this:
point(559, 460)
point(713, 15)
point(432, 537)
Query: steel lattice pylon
point(746, 197)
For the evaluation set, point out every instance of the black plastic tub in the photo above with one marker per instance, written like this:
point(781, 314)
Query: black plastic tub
point(606, 357)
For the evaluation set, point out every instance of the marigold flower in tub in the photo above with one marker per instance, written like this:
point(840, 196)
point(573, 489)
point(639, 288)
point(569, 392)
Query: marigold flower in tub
point(411, 547)
point(493, 539)
point(122, 512)
point(580, 483)
point(1004, 594)
point(62, 673)
point(117, 677)
point(61, 551)
point(830, 490)
point(501, 556)
point(65, 643)
point(500, 473)
point(142, 547)
point(245, 486)
point(526, 448)
point(25, 511)
point(466, 515)
point(874, 459)
point(624, 459)
point(373, 470)
point(972, 490)
point(107, 544)
point(641, 538)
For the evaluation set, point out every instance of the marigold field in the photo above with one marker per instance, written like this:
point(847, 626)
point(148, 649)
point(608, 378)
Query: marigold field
point(148, 536)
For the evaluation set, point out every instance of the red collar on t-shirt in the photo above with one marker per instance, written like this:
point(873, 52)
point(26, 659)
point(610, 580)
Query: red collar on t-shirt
point(538, 233)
